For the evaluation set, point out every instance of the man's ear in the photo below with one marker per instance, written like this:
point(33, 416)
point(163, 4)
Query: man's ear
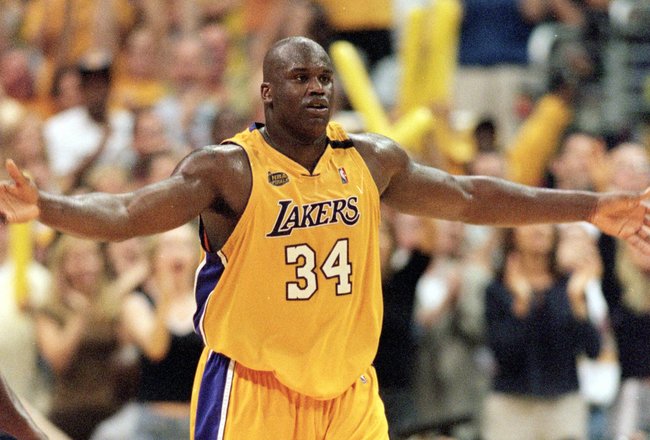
point(265, 90)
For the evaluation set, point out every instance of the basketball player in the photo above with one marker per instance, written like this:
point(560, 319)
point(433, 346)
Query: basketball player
point(288, 296)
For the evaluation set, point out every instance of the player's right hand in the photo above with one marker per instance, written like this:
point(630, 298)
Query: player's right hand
point(18, 196)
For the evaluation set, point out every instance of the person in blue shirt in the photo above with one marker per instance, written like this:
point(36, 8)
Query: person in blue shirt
point(537, 325)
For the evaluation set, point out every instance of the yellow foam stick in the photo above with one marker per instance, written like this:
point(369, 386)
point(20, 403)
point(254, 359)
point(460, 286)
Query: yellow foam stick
point(443, 46)
point(455, 146)
point(411, 128)
point(358, 87)
point(20, 251)
point(412, 58)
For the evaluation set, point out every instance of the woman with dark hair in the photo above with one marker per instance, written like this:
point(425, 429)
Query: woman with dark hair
point(537, 326)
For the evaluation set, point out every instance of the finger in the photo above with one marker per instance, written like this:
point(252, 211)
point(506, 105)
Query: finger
point(15, 173)
point(640, 244)
point(13, 210)
point(644, 231)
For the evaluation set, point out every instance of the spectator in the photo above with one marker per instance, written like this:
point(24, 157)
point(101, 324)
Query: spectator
point(395, 359)
point(631, 416)
point(493, 60)
point(159, 322)
point(63, 32)
point(150, 142)
point(227, 123)
point(625, 287)
point(446, 381)
point(573, 165)
point(599, 378)
point(159, 166)
point(18, 81)
point(107, 178)
point(77, 333)
point(19, 362)
point(186, 110)
point(81, 137)
point(537, 326)
point(66, 90)
point(138, 82)
point(216, 40)
point(629, 166)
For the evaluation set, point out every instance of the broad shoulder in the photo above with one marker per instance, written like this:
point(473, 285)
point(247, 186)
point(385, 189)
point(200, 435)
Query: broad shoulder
point(216, 160)
point(383, 156)
point(222, 170)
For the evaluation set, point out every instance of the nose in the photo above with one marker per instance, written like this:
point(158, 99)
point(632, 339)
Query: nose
point(316, 86)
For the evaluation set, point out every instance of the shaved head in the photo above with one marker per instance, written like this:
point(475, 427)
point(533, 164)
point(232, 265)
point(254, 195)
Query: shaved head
point(287, 50)
point(297, 90)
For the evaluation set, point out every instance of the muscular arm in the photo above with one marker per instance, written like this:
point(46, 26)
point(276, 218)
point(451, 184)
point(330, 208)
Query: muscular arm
point(108, 217)
point(425, 191)
point(195, 186)
point(484, 200)
point(421, 190)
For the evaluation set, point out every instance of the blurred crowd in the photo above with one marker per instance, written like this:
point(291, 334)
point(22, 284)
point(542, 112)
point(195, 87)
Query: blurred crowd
point(537, 332)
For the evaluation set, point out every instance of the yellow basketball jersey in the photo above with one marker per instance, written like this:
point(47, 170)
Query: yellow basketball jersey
point(296, 289)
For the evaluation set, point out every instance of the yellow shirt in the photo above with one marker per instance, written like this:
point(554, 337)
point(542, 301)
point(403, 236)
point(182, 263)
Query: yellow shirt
point(66, 33)
point(359, 15)
point(47, 19)
point(135, 93)
point(296, 289)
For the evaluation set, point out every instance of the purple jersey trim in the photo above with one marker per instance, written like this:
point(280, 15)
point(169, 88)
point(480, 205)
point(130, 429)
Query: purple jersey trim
point(207, 278)
point(213, 395)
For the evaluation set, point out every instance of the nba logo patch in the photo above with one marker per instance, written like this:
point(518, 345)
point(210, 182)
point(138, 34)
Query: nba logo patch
point(278, 179)
point(363, 379)
point(343, 174)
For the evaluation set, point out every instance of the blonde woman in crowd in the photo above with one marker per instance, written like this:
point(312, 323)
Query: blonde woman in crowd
point(77, 333)
point(158, 321)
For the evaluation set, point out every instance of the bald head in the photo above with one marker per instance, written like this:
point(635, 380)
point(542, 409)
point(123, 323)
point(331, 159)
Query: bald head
point(297, 90)
point(290, 50)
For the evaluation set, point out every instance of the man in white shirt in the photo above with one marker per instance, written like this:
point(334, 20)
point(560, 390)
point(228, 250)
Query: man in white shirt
point(90, 134)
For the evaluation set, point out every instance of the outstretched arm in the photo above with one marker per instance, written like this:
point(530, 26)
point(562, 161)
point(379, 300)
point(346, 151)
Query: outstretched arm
point(426, 191)
point(193, 187)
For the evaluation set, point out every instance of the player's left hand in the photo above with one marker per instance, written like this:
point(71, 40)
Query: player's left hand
point(18, 196)
point(626, 216)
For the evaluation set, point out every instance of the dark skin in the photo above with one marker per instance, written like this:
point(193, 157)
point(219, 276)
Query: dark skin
point(215, 182)
point(14, 418)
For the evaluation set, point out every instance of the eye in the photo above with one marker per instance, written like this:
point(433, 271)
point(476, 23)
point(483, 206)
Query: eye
point(301, 78)
point(325, 79)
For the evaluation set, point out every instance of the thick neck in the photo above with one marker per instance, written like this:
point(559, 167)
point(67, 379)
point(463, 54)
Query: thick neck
point(305, 153)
